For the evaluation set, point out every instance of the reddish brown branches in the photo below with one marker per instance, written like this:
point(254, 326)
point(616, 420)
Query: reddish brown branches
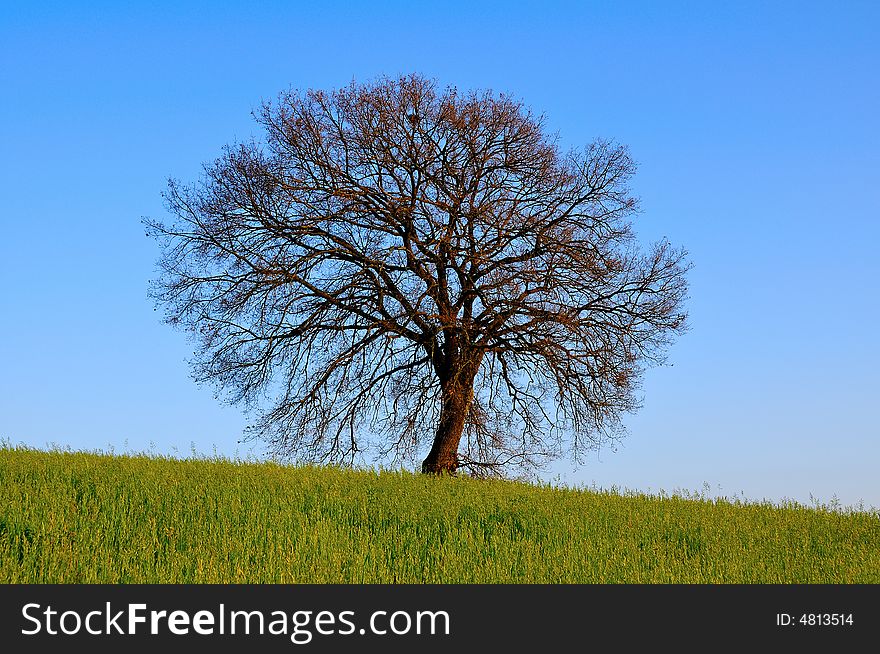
point(413, 267)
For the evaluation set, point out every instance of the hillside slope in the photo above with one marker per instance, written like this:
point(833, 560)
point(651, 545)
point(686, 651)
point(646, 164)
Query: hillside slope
point(82, 517)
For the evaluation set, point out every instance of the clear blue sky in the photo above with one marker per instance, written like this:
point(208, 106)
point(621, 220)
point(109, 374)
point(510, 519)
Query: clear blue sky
point(755, 125)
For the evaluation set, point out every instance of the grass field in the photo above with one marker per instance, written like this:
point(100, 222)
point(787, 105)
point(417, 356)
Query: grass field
point(92, 518)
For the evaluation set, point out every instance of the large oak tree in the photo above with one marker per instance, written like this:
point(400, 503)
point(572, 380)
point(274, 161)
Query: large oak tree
point(418, 269)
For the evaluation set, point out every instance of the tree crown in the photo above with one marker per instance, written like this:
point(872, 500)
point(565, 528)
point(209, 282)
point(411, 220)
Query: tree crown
point(391, 246)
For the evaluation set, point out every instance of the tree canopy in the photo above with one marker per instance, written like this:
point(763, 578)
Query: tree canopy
point(415, 271)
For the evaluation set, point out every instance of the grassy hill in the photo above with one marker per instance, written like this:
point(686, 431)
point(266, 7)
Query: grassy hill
point(78, 517)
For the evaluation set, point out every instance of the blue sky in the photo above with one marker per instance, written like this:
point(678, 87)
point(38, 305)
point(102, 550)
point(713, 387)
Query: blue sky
point(755, 125)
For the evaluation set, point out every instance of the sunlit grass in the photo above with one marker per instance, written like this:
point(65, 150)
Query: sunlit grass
point(93, 518)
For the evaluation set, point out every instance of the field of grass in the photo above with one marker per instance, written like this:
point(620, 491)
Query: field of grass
point(92, 518)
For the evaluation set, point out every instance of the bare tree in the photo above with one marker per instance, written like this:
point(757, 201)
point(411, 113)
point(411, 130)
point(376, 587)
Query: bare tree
point(401, 265)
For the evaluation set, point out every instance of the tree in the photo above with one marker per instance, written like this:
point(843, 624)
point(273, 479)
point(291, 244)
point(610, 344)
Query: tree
point(397, 265)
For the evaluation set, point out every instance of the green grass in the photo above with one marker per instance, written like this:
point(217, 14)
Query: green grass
point(93, 518)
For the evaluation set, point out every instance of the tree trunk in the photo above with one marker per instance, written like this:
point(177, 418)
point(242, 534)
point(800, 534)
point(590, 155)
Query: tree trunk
point(458, 393)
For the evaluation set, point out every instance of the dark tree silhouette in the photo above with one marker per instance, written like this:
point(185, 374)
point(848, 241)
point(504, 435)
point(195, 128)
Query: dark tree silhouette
point(404, 266)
